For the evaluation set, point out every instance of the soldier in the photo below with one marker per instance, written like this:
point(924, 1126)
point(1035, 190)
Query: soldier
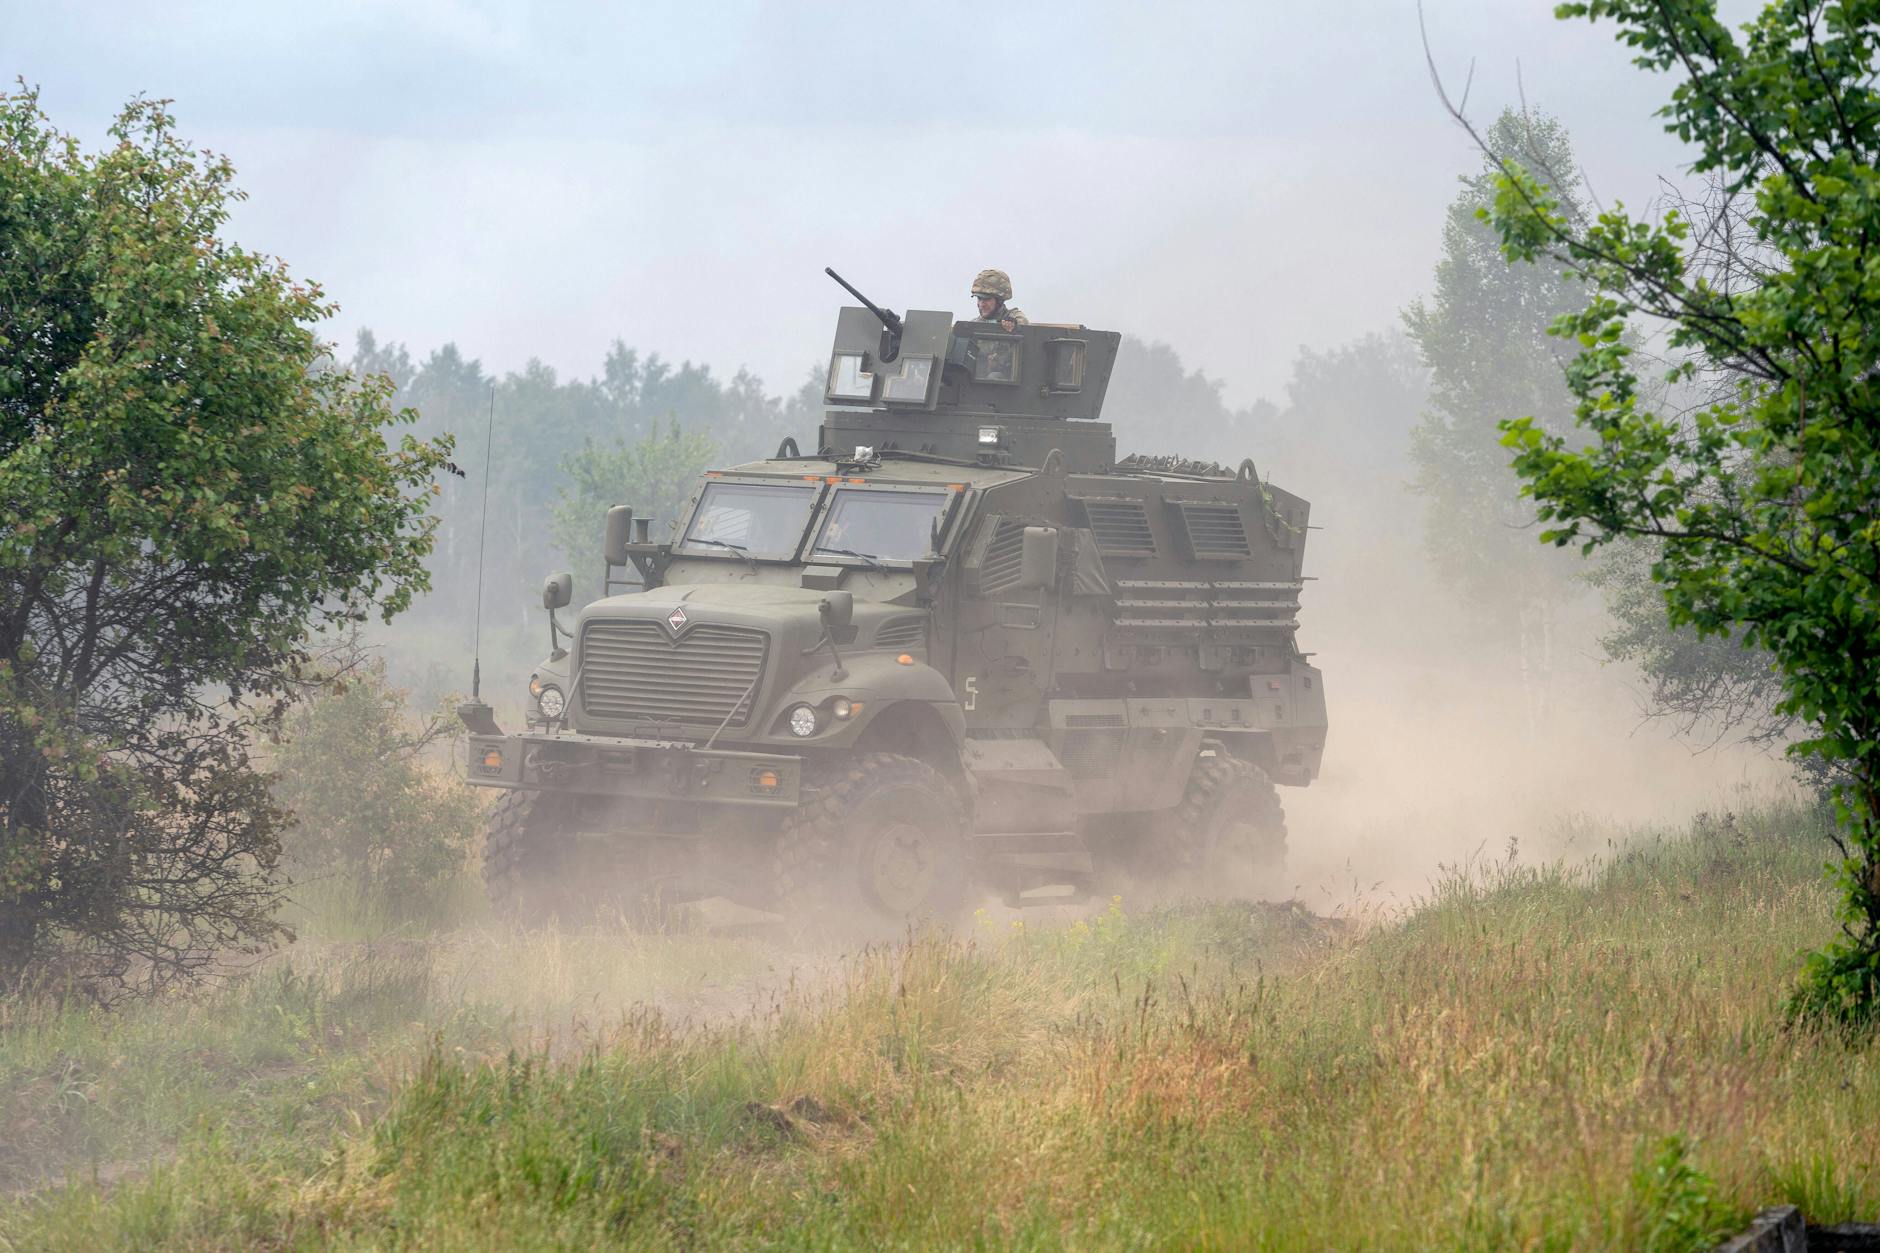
point(991, 288)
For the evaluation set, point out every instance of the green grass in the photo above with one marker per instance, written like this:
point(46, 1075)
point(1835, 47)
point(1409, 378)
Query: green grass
point(1535, 1057)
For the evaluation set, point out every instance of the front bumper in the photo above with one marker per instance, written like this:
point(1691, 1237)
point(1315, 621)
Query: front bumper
point(642, 769)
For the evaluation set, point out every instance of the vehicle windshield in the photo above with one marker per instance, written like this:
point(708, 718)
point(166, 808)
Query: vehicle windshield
point(889, 526)
point(763, 518)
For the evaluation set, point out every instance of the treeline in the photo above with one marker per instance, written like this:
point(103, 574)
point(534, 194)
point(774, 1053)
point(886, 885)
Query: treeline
point(540, 427)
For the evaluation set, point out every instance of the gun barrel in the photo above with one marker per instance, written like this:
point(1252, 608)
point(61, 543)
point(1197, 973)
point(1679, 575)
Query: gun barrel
point(890, 320)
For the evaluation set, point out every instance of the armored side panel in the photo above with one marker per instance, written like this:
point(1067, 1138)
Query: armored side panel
point(1017, 441)
point(1173, 616)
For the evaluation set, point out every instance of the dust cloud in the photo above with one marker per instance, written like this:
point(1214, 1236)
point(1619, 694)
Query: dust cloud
point(1431, 762)
point(1448, 743)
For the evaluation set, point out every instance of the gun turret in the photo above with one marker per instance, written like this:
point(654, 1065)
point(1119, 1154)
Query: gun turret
point(892, 321)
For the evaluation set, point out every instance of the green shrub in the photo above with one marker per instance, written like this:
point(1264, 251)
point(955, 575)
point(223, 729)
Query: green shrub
point(1678, 1203)
point(380, 833)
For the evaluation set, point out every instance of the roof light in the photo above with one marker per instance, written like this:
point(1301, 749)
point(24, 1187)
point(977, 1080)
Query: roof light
point(990, 436)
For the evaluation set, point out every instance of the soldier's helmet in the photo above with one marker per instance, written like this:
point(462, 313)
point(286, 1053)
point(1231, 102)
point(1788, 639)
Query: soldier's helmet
point(992, 283)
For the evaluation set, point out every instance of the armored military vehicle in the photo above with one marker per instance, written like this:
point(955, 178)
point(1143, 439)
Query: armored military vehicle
point(958, 648)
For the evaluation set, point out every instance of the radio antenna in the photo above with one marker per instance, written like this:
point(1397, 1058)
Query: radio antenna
point(483, 528)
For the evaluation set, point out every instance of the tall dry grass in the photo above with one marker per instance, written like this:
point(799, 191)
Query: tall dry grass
point(1543, 1057)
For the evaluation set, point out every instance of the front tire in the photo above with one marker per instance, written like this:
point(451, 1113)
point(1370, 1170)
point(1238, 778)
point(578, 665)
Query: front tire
point(527, 842)
point(880, 839)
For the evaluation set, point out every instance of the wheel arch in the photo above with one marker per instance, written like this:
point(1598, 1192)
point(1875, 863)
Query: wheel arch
point(921, 730)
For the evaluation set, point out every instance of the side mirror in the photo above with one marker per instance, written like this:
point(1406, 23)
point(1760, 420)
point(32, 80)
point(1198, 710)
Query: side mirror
point(557, 591)
point(1038, 558)
point(619, 532)
point(838, 612)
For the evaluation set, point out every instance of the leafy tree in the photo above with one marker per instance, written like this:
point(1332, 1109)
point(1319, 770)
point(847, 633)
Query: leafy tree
point(654, 474)
point(184, 495)
point(1343, 436)
point(1159, 406)
point(1483, 333)
point(1766, 502)
point(1357, 398)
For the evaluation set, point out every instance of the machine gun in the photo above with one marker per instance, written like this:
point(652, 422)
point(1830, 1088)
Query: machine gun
point(891, 321)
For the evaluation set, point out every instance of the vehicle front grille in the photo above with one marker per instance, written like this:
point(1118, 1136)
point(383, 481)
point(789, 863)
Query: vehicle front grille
point(635, 670)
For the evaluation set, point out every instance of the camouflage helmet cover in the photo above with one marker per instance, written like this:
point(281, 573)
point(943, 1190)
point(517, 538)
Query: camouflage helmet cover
point(992, 283)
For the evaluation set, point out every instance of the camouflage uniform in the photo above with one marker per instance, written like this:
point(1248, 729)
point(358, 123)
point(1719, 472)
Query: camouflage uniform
point(1006, 314)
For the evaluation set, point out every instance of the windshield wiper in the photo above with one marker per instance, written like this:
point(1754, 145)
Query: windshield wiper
point(739, 549)
point(874, 562)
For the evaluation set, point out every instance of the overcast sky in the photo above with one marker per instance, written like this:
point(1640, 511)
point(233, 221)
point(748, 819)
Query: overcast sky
point(535, 180)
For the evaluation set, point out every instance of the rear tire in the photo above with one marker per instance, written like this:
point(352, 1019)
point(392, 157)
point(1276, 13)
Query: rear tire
point(880, 839)
point(1228, 835)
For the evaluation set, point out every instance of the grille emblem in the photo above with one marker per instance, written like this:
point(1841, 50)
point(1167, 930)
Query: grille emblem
point(676, 618)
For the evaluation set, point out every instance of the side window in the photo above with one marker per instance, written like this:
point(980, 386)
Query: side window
point(996, 359)
point(1067, 364)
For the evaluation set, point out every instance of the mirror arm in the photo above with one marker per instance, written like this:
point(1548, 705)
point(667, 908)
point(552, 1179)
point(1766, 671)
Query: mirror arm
point(555, 631)
point(828, 641)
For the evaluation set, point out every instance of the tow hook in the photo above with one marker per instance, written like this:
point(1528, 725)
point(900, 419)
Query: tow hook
point(547, 769)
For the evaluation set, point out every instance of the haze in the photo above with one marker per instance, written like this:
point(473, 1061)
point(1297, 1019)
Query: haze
point(1238, 182)
point(1235, 180)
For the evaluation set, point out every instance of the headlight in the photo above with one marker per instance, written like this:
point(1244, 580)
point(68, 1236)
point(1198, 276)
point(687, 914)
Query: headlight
point(803, 721)
point(551, 701)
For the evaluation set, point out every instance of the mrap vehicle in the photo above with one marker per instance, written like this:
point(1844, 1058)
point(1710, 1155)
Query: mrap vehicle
point(958, 649)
